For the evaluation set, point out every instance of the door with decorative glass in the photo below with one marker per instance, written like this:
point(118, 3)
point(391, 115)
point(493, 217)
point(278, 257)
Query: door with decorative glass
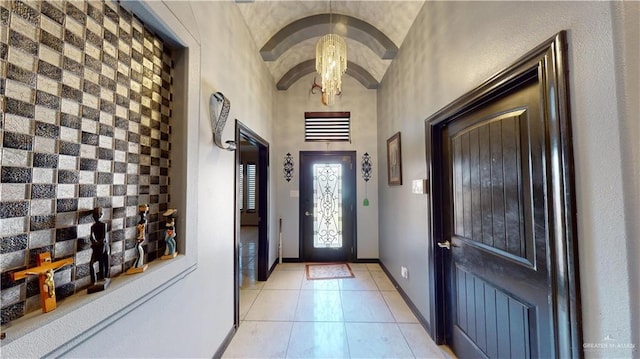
point(327, 206)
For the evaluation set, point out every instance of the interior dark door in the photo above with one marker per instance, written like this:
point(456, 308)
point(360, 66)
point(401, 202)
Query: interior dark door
point(497, 281)
point(327, 206)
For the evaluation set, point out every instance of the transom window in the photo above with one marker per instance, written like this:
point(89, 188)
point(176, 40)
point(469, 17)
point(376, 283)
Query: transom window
point(327, 126)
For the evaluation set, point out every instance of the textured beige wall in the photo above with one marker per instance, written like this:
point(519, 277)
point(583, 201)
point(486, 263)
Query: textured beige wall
point(626, 20)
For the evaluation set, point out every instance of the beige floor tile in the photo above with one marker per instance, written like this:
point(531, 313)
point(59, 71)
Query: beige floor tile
point(358, 266)
point(318, 340)
point(321, 284)
point(399, 308)
point(290, 266)
point(382, 281)
point(285, 279)
point(362, 281)
point(274, 305)
point(362, 317)
point(319, 306)
point(247, 297)
point(374, 267)
point(365, 306)
point(376, 340)
point(419, 341)
point(260, 340)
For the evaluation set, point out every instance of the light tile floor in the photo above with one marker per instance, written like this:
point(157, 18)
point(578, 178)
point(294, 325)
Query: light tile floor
point(292, 317)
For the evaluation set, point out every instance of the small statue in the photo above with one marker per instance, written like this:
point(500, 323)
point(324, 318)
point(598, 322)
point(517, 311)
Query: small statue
point(49, 287)
point(138, 265)
point(99, 254)
point(170, 234)
point(44, 270)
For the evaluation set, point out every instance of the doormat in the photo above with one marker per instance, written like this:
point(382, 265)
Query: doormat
point(328, 271)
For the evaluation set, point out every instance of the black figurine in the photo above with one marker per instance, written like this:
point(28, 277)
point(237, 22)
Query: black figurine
point(99, 254)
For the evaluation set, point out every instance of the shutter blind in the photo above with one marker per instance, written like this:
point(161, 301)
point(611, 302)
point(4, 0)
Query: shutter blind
point(241, 189)
point(327, 126)
point(251, 187)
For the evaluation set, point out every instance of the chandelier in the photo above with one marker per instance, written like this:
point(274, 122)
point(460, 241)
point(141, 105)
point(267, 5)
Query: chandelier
point(331, 62)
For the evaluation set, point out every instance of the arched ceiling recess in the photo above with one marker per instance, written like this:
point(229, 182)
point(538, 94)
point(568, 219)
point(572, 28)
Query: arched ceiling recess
point(358, 54)
point(374, 30)
point(318, 25)
point(306, 67)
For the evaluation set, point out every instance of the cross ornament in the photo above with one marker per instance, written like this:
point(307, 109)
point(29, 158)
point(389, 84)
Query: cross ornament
point(44, 271)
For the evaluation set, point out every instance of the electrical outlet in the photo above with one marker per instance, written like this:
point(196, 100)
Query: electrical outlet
point(404, 272)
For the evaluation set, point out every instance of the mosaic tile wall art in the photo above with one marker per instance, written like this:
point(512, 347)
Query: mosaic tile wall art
point(85, 94)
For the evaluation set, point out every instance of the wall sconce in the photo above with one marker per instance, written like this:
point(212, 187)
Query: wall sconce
point(367, 171)
point(218, 122)
point(288, 167)
point(366, 167)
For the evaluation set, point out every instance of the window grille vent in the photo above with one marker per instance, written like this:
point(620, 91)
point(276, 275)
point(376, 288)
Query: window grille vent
point(327, 127)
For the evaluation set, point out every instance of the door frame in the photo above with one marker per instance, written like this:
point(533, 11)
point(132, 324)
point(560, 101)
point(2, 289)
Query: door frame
point(262, 172)
point(354, 199)
point(548, 61)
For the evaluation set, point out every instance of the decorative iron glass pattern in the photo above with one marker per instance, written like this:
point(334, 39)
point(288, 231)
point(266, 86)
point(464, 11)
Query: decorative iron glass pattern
point(288, 167)
point(327, 205)
point(85, 102)
point(366, 167)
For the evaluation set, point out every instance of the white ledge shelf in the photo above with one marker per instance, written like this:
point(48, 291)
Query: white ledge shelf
point(81, 315)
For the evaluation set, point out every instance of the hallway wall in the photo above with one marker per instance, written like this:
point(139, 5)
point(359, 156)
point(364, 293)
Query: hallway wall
point(626, 39)
point(289, 137)
point(452, 48)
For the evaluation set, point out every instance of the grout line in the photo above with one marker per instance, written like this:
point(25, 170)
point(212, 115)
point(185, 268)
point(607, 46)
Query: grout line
point(295, 310)
point(286, 351)
point(396, 320)
point(406, 341)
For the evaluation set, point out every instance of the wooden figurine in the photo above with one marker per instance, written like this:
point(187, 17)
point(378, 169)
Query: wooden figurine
point(99, 254)
point(170, 234)
point(139, 266)
point(44, 271)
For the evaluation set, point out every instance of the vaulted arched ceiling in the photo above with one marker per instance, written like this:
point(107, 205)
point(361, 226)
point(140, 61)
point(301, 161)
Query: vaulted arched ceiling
point(286, 33)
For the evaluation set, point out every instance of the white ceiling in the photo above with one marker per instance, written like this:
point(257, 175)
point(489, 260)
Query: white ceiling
point(266, 17)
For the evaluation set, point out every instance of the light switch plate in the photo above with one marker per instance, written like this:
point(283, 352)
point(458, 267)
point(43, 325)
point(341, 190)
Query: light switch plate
point(420, 186)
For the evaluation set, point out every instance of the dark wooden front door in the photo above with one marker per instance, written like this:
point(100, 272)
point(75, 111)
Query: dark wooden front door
point(327, 206)
point(503, 225)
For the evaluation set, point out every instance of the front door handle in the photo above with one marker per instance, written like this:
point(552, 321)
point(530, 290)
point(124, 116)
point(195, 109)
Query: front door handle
point(306, 213)
point(445, 244)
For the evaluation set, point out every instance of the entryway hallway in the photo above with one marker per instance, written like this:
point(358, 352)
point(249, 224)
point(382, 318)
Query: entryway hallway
point(289, 316)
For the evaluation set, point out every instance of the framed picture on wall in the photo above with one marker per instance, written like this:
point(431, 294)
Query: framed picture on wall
point(394, 160)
